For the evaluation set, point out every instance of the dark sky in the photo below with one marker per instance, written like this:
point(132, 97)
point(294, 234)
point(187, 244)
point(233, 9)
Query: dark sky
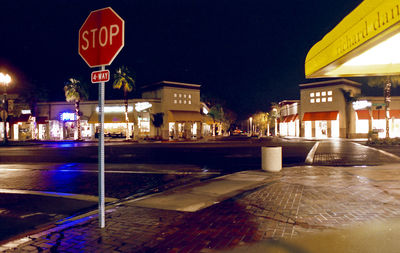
point(248, 53)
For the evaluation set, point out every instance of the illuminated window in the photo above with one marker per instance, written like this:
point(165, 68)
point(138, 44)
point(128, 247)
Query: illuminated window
point(175, 95)
point(323, 93)
point(184, 95)
point(190, 102)
point(318, 100)
point(180, 101)
point(175, 101)
point(323, 100)
point(329, 93)
point(312, 101)
point(184, 101)
point(329, 99)
point(312, 94)
point(190, 96)
point(317, 94)
point(180, 95)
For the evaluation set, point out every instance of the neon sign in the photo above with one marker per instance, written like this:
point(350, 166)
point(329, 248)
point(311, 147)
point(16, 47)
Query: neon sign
point(67, 116)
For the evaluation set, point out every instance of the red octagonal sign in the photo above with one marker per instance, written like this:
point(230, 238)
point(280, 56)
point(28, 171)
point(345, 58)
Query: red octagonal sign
point(101, 37)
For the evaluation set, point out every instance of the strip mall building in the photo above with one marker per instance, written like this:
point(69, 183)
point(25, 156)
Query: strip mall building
point(184, 116)
point(365, 43)
point(325, 111)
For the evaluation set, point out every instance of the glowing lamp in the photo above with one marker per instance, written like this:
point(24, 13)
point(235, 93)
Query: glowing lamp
point(358, 105)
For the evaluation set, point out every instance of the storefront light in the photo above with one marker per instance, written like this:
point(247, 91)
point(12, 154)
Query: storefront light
point(142, 106)
point(382, 58)
point(115, 109)
point(26, 111)
point(205, 111)
point(358, 105)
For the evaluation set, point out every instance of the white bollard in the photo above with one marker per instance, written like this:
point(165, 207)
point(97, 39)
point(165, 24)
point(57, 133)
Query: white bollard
point(271, 158)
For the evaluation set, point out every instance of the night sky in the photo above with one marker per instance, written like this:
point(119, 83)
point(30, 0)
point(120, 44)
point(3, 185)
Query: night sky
point(247, 53)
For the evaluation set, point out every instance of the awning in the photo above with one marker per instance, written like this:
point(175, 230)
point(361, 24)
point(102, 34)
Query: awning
point(365, 42)
point(183, 116)
point(313, 116)
point(291, 118)
point(363, 114)
point(394, 114)
point(112, 117)
point(378, 114)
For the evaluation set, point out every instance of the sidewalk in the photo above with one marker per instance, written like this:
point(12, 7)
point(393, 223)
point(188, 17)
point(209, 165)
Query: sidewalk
point(246, 212)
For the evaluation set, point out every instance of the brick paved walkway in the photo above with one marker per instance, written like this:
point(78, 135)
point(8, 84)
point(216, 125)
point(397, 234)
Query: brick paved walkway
point(295, 202)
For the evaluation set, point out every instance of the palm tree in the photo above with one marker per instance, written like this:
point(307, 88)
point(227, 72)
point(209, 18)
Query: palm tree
point(76, 92)
point(125, 80)
point(158, 121)
point(385, 82)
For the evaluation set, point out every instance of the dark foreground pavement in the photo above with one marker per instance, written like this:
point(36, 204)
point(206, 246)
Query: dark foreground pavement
point(300, 209)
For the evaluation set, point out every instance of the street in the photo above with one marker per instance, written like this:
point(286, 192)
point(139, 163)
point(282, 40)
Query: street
point(45, 183)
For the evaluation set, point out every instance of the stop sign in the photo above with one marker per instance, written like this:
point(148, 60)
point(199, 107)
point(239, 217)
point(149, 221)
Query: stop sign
point(101, 37)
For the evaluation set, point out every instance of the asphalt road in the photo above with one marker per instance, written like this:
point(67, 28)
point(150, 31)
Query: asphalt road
point(43, 183)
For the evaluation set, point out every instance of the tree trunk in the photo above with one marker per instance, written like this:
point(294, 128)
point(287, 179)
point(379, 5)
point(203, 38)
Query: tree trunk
point(126, 116)
point(387, 102)
point(78, 120)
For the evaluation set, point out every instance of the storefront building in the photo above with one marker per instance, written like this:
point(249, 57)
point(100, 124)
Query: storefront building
point(325, 113)
point(289, 123)
point(178, 103)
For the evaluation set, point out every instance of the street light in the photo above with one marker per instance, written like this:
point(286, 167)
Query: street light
point(5, 79)
point(251, 126)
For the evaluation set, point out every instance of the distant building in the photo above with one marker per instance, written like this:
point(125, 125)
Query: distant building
point(183, 116)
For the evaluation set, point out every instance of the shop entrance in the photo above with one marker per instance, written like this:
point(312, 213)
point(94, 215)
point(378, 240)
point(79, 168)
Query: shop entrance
point(321, 129)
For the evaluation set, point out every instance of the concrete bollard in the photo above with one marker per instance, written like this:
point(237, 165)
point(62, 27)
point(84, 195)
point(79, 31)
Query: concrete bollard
point(271, 158)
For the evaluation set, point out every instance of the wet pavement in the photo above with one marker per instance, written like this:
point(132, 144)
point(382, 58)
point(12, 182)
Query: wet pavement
point(281, 212)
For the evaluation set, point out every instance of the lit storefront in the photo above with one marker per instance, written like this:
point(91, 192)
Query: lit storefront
point(289, 124)
point(179, 103)
point(325, 113)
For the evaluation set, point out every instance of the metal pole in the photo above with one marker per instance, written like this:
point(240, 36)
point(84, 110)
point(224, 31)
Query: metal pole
point(102, 221)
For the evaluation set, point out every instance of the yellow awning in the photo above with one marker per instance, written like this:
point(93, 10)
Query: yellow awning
point(352, 47)
point(182, 116)
point(112, 117)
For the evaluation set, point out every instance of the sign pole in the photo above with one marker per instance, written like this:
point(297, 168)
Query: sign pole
point(102, 219)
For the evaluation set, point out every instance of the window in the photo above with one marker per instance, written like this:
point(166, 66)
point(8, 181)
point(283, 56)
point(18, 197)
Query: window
point(184, 95)
point(318, 100)
point(180, 101)
point(323, 93)
point(175, 95)
point(190, 102)
point(190, 96)
point(323, 100)
point(312, 101)
point(329, 99)
point(184, 101)
point(180, 95)
point(312, 94)
point(175, 101)
point(329, 93)
point(317, 94)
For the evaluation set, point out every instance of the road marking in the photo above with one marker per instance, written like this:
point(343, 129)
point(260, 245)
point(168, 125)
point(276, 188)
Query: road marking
point(29, 215)
point(310, 156)
point(57, 194)
point(382, 151)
